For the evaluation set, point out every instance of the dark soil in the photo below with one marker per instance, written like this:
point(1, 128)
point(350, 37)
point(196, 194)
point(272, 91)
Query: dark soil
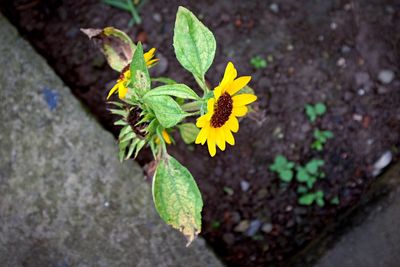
point(328, 51)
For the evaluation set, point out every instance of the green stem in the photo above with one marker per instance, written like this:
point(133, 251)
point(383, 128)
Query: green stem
point(192, 106)
point(134, 13)
point(202, 83)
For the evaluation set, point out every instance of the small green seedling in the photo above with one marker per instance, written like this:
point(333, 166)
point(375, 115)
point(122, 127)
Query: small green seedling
point(215, 224)
point(309, 174)
point(131, 6)
point(335, 201)
point(310, 198)
point(283, 167)
point(258, 62)
point(313, 112)
point(320, 139)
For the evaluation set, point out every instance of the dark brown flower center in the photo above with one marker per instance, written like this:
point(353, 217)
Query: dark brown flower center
point(222, 110)
point(133, 118)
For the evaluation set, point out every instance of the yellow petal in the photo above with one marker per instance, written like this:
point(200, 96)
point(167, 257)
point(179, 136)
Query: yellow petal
point(239, 111)
point(148, 55)
point(166, 137)
point(202, 121)
point(238, 84)
point(217, 92)
point(112, 91)
point(150, 63)
point(229, 136)
point(229, 75)
point(202, 136)
point(211, 142)
point(233, 124)
point(210, 106)
point(220, 138)
point(122, 90)
point(244, 99)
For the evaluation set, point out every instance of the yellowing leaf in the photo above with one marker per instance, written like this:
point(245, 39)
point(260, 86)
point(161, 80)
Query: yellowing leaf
point(177, 198)
point(116, 45)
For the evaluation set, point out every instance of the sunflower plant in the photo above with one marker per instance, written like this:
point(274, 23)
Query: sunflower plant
point(149, 113)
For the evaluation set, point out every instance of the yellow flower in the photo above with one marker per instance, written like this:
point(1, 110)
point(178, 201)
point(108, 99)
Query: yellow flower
point(223, 109)
point(165, 136)
point(125, 76)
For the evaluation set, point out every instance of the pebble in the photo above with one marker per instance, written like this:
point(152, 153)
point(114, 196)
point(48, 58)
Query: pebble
point(274, 7)
point(386, 76)
point(157, 17)
point(289, 47)
point(345, 49)
point(361, 92)
point(357, 117)
point(242, 226)
point(244, 185)
point(341, 62)
point(333, 26)
point(253, 228)
point(382, 163)
point(267, 228)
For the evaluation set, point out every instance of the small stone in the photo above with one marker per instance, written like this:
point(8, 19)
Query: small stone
point(386, 76)
point(229, 238)
point(357, 117)
point(267, 228)
point(289, 47)
point(341, 62)
point(253, 228)
point(242, 226)
point(157, 17)
point(244, 185)
point(361, 92)
point(345, 49)
point(288, 208)
point(321, 38)
point(382, 163)
point(333, 26)
point(274, 7)
point(106, 204)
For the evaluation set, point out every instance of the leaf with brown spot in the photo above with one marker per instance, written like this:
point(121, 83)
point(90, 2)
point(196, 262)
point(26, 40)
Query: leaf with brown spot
point(116, 45)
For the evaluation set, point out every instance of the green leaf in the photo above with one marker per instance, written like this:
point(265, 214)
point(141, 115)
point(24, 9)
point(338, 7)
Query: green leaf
point(164, 80)
point(140, 79)
point(120, 112)
point(320, 108)
point(310, 113)
point(132, 148)
point(177, 198)
point(307, 199)
point(124, 131)
point(177, 90)
point(335, 201)
point(286, 175)
point(189, 132)
point(194, 43)
point(313, 165)
point(167, 111)
point(128, 137)
point(116, 45)
point(302, 175)
point(120, 122)
point(302, 189)
point(139, 147)
point(328, 134)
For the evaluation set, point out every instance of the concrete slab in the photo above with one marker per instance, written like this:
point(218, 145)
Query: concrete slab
point(65, 200)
